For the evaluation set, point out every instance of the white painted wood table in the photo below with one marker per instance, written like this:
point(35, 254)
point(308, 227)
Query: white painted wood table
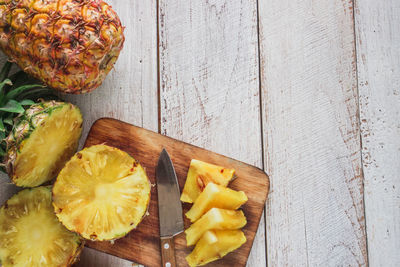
point(308, 90)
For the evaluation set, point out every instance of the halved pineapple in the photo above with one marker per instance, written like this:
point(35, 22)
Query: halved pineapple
point(102, 193)
point(214, 245)
point(200, 174)
point(215, 219)
point(216, 196)
point(31, 235)
point(42, 140)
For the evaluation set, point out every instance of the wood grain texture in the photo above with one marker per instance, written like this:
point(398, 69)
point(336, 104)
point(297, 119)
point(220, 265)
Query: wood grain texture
point(378, 54)
point(315, 213)
point(209, 86)
point(143, 244)
point(129, 92)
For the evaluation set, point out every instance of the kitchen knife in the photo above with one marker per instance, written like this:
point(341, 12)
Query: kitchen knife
point(169, 208)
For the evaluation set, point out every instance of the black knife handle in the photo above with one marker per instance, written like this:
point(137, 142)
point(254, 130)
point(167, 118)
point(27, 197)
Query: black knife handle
point(168, 252)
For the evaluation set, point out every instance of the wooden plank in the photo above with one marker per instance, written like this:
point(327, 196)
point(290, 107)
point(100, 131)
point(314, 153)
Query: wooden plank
point(209, 86)
point(143, 244)
point(129, 92)
point(315, 214)
point(378, 57)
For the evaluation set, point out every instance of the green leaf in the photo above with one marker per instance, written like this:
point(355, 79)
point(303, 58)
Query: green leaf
point(27, 102)
point(5, 70)
point(13, 107)
point(2, 84)
point(2, 129)
point(17, 91)
point(9, 120)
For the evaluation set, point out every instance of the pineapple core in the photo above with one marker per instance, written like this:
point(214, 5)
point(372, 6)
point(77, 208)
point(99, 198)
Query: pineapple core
point(216, 196)
point(215, 219)
point(200, 174)
point(102, 193)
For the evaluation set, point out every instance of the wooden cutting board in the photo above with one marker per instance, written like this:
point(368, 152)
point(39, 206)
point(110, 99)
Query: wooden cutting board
point(142, 244)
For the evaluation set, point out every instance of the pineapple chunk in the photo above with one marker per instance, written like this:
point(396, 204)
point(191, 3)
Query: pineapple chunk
point(214, 245)
point(215, 218)
point(200, 174)
point(216, 196)
point(102, 193)
point(31, 235)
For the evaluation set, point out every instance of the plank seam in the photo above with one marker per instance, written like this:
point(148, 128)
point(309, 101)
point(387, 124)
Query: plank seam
point(261, 123)
point(354, 2)
point(158, 66)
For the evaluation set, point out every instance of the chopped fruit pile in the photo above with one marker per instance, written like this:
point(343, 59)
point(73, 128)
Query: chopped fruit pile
point(102, 193)
point(216, 220)
point(31, 234)
point(200, 174)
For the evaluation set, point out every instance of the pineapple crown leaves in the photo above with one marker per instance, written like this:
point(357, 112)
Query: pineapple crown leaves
point(17, 93)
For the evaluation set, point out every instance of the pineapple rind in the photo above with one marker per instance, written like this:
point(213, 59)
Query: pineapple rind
point(214, 245)
point(216, 196)
point(102, 193)
point(200, 174)
point(27, 125)
point(215, 219)
point(30, 230)
point(69, 45)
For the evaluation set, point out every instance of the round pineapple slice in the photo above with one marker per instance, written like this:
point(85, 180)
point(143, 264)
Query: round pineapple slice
point(102, 193)
point(31, 235)
point(43, 139)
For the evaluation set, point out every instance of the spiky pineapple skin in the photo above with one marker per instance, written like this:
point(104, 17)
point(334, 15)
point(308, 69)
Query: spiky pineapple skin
point(70, 45)
point(23, 127)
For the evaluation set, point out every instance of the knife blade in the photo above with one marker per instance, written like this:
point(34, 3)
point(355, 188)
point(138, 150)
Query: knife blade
point(169, 207)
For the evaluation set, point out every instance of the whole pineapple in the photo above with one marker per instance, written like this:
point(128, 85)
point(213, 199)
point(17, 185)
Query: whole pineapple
point(37, 138)
point(70, 45)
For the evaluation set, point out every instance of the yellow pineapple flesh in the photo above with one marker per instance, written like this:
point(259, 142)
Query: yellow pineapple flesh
point(215, 219)
point(31, 235)
point(216, 196)
point(102, 193)
point(200, 174)
point(214, 245)
point(69, 45)
point(43, 139)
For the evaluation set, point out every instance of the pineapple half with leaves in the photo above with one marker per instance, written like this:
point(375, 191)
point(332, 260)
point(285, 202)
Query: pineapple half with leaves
point(31, 235)
point(70, 45)
point(102, 193)
point(38, 138)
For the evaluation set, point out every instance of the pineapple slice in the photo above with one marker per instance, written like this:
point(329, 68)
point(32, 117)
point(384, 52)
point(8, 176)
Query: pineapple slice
point(43, 139)
point(200, 174)
point(31, 235)
point(216, 196)
point(214, 245)
point(215, 218)
point(102, 193)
